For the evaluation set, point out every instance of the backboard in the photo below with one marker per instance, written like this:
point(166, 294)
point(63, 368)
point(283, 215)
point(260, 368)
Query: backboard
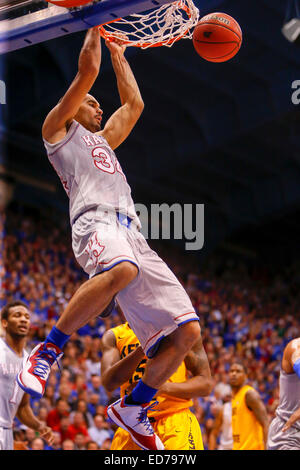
point(27, 22)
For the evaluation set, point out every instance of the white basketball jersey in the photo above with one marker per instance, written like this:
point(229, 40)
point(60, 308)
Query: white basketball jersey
point(289, 396)
point(10, 392)
point(90, 173)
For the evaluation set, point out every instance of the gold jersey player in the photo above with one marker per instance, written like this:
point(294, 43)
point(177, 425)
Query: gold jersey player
point(249, 414)
point(123, 364)
point(108, 244)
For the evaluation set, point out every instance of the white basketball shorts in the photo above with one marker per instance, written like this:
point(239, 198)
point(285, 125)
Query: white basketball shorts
point(6, 439)
point(154, 303)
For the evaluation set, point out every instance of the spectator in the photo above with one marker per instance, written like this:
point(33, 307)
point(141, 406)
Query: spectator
point(80, 441)
point(30, 435)
point(101, 410)
point(43, 414)
point(81, 405)
point(92, 361)
point(99, 431)
point(78, 426)
point(65, 393)
point(79, 385)
point(48, 400)
point(56, 445)
point(63, 428)
point(61, 410)
point(37, 444)
point(95, 387)
point(91, 445)
point(93, 403)
point(106, 445)
point(68, 444)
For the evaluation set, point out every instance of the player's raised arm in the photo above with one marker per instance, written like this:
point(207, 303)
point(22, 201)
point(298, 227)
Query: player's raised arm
point(120, 124)
point(88, 68)
point(114, 370)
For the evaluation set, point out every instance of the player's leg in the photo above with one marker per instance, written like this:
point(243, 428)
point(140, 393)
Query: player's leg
point(6, 439)
point(171, 352)
point(130, 412)
point(94, 295)
point(160, 312)
point(90, 299)
point(179, 431)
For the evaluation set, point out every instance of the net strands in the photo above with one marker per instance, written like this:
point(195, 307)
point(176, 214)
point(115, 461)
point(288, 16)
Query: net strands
point(159, 27)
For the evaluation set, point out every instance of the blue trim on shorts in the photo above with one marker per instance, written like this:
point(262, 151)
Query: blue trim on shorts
point(115, 264)
point(155, 346)
point(187, 321)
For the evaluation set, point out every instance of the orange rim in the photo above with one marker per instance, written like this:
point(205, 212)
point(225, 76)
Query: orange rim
point(108, 35)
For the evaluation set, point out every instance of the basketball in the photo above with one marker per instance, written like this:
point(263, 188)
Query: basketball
point(217, 37)
point(69, 3)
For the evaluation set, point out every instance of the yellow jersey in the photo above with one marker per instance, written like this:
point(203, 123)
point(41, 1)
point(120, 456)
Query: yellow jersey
point(126, 342)
point(247, 432)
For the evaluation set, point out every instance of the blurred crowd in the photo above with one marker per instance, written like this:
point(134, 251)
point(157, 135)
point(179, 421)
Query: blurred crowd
point(246, 313)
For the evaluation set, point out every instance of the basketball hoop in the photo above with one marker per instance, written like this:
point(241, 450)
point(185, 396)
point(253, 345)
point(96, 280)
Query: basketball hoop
point(158, 27)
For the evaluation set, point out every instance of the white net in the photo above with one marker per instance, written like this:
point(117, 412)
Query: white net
point(159, 27)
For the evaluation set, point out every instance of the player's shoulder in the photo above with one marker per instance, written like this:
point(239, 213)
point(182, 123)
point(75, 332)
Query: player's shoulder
point(112, 336)
point(108, 339)
point(252, 396)
point(246, 391)
point(291, 347)
point(293, 344)
point(291, 353)
point(120, 330)
point(248, 388)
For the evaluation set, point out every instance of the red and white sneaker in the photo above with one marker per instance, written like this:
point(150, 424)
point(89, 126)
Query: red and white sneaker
point(33, 376)
point(134, 419)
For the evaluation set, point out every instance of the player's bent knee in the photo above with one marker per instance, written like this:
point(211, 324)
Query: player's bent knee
point(124, 273)
point(192, 331)
point(195, 329)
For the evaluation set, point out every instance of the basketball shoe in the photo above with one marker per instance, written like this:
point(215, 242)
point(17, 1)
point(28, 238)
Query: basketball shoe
point(134, 419)
point(33, 376)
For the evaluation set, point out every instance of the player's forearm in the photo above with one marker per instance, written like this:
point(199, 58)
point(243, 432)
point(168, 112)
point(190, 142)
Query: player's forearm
point(90, 54)
point(127, 86)
point(212, 441)
point(120, 372)
point(265, 433)
point(26, 416)
point(192, 388)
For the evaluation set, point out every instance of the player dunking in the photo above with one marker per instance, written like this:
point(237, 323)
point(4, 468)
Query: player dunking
point(108, 244)
point(15, 320)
